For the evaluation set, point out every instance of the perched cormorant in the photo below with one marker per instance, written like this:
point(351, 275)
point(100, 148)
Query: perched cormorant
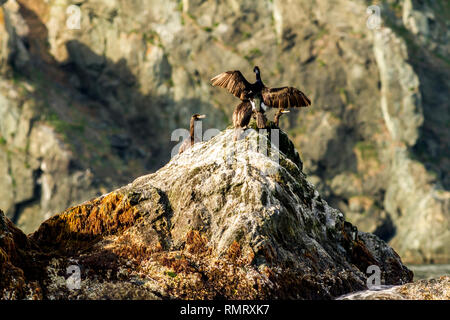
point(189, 141)
point(260, 96)
point(242, 114)
point(276, 119)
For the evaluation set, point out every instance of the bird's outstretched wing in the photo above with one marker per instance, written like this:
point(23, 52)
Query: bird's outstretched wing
point(285, 97)
point(234, 82)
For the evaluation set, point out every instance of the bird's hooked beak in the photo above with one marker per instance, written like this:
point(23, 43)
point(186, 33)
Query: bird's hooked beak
point(202, 116)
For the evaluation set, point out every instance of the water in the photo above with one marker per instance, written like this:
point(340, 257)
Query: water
point(428, 271)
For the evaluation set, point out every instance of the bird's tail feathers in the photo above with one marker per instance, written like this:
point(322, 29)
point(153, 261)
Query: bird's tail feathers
point(260, 120)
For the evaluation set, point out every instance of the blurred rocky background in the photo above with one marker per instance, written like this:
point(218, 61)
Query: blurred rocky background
point(83, 111)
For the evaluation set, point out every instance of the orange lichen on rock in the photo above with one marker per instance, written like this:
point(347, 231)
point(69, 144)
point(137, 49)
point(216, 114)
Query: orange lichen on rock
point(177, 262)
point(196, 242)
point(128, 248)
point(234, 251)
point(82, 225)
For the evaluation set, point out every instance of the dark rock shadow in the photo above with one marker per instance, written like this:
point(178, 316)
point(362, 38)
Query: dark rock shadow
point(432, 148)
point(144, 119)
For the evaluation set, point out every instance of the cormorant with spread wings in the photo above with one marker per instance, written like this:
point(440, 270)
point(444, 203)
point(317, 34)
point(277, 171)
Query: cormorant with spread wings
point(258, 96)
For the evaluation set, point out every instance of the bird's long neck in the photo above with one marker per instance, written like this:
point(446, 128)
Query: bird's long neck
point(191, 131)
point(258, 78)
point(277, 117)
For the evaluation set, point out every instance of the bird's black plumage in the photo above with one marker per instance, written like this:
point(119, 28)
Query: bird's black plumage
point(242, 114)
point(257, 94)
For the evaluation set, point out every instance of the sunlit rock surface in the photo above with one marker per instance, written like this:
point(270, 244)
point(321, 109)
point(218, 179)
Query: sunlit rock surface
point(223, 220)
point(433, 289)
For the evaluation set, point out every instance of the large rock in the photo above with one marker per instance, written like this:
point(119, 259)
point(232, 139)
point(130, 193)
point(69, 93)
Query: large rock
point(140, 70)
point(223, 220)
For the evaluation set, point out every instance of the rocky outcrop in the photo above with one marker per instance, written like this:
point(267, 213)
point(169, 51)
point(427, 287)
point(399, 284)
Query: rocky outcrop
point(224, 220)
point(19, 271)
point(433, 289)
point(375, 142)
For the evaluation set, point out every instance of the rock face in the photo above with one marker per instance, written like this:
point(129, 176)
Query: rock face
point(107, 96)
point(224, 220)
point(19, 272)
point(433, 289)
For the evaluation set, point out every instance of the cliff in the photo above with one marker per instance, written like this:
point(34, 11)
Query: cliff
point(83, 111)
point(220, 221)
